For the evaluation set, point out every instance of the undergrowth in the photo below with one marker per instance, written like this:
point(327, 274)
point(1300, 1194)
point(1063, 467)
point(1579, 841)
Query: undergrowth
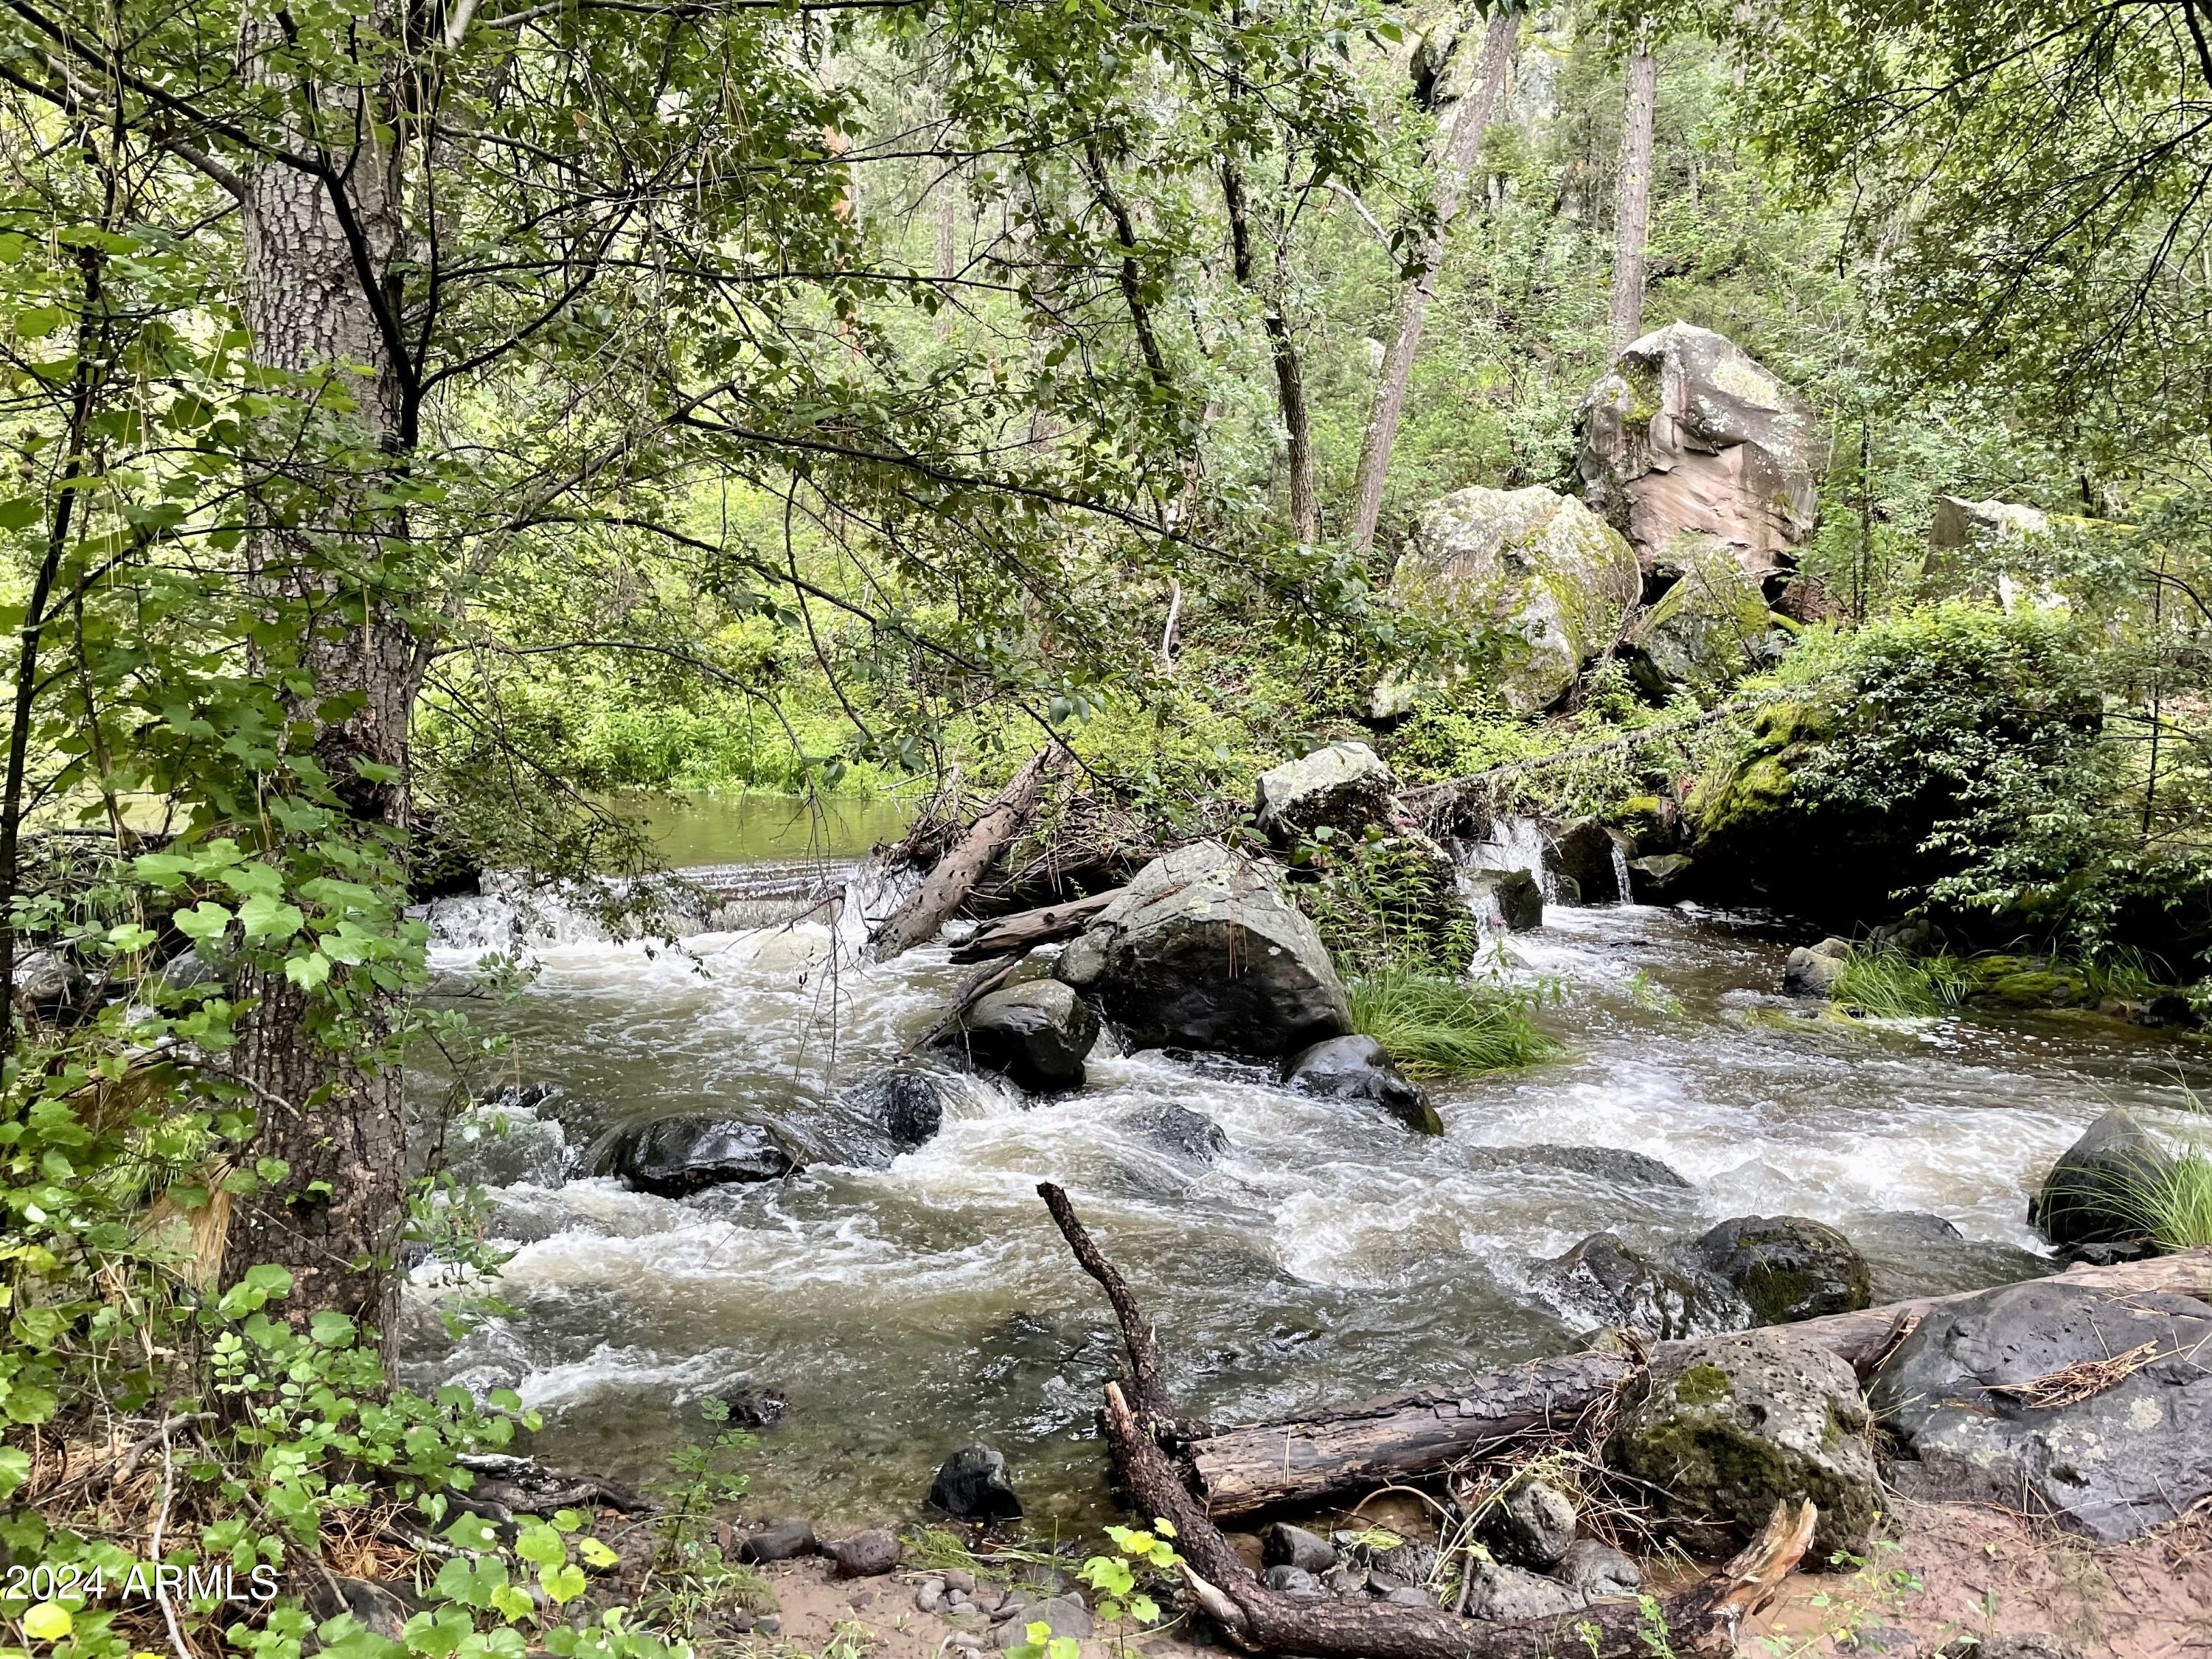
point(2172, 1203)
point(1436, 1027)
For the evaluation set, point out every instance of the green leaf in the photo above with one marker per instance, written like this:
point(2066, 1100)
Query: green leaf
point(308, 971)
point(264, 916)
point(562, 1584)
point(22, 513)
point(15, 1470)
point(48, 1621)
point(594, 1552)
point(331, 1330)
point(204, 921)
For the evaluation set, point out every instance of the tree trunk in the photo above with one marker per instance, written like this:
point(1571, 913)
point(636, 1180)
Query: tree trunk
point(1303, 1463)
point(319, 250)
point(1010, 935)
point(1632, 215)
point(919, 920)
point(1419, 286)
point(1282, 348)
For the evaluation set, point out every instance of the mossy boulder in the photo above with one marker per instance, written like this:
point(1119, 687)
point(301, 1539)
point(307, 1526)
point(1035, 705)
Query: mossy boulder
point(1539, 571)
point(1786, 1267)
point(1730, 1426)
point(2023, 984)
point(1711, 626)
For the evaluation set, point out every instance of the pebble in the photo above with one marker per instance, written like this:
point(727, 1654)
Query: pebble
point(770, 1625)
point(986, 1598)
point(967, 1641)
point(930, 1596)
point(960, 1579)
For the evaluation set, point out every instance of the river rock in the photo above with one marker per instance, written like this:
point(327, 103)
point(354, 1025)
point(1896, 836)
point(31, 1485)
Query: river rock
point(1614, 1164)
point(1601, 1282)
point(1689, 435)
point(971, 1485)
point(1660, 877)
point(1177, 1130)
point(905, 1104)
point(869, 1554)
point(2094, 1193)
point(1496, 1591)
point(1283, 1544)
point(1730, 1426)
point(1065, 1614)
point(1037, 1034)
point(503, 1142)
point(1291, 1581)
point(1710, 628)
point(1598, 1571)
point(1342, 787)
point(1584, 852)
point(785, 1541)
point(1203, 950)
point(2120, 1440)
point(1542, 568)
point(1358, 1068)
point(1531, 1525)
point(1514, 895)
point(674, 1157)
point(1786, 1267)
point(1811, 971)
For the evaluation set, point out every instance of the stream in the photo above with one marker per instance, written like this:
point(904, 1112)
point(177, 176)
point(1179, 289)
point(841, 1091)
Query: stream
point(900, 1307)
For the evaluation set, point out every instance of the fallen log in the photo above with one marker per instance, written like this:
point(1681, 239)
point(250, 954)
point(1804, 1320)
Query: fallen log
point(1702, 1619)
point(1305, 1463)
point(1048, 923)
point(954, 876)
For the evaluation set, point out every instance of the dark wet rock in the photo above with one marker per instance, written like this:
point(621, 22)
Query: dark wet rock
point(1283, 1544)
point(1660, 877)
point(904, 1104)
point(1812, 970)
point(1603, 1282)
point(1342, 787)
point(1359, 1068)
point(1036, 1034)
point(1292, 1581)
point(869, 1554)
point(674, 1157)
point(1584, 851)
point(504, 1143)
point(2132, 1455)
point(1496, 1591)
point(971, 1485)
point(1182, 1132)
point(1597, 1570)
point(2094, 1193)
point(1614, 1164)
point(1341, 1580)
point(1730, 1426)
point(1515, 894)
point(1531, 1525)
point(786, 1541)
point(1786, 1267)
point(1203, 950)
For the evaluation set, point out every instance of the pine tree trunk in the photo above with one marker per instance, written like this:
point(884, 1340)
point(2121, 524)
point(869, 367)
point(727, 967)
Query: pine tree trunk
point(318, 258)
point(1632, 216)
point(1419, 286)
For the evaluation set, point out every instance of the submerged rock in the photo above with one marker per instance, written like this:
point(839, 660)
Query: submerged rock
point(1037, 1034)
point(1187, 1134)
point(1614, 1164)
point(1359, 1068)
point(674, 1157)
point(905, 1104)
point(1786, 1267)
point(971, 1485)
point(1344, 787)
point(1540, 567)
point(1603, 1282)
point(2095, 1195)
point(2092, 1406)
point(1202, 950)
point(1732, 1425)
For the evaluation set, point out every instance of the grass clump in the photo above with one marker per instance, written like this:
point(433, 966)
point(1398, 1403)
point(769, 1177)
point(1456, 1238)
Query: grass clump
point(2172, 1203)
point(1890, 984)
point(1438, 1027)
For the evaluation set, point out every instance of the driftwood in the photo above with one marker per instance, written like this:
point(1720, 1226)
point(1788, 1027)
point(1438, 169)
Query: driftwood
point(955, 875)
point(1700, 1620)
point(1306, 1462)
point(1011, 935)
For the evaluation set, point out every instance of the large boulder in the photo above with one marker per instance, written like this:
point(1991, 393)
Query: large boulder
point(2094, 1192)
point(1591, 855)
point(1688, 435)
point(1514, 897)
point(1203, 950)
point(1711, 626)
point(674, 1157)
point(1978, 550)
point(2093, 1406)
point(1540, 567)
point(1342, 787)
point(1037, 1034)
point(1359, 1068)
point(1786, 1267)
point(1730, 1426)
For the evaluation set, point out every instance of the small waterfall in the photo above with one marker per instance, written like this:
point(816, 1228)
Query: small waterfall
point(1514, 843)
point(1620, 875)
point(872, 892)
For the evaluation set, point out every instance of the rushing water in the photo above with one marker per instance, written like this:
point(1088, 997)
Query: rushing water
point(904, 1306)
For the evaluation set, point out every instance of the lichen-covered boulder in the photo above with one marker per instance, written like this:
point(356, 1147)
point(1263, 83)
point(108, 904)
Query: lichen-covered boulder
point(1786, 1267)
point(1344, 787)
point(2095, 1192)
point(2092, 1406)
point(1359, 1068)
point(1978, 550)
point(1730, 1426)
point(1689, 435)
point(1540, 567)
point(674, 1157)
point(1037, 1034)
point(1203, 950)
point(1711, 626)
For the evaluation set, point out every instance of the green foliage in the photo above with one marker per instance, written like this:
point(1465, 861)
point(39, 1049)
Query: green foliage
point(1893, 984)
point(1386, 902)
point(2171, 1202)
point(1140, 1557)
point(1438, 1027)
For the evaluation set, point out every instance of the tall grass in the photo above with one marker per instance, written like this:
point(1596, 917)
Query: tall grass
point(1435, 1027)
point(2172, 1203)
point(1892, 985)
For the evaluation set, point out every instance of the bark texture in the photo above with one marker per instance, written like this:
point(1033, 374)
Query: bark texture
point(919, 920)
point(1010, 935)
point(1632, 213)
point(1419, 286)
